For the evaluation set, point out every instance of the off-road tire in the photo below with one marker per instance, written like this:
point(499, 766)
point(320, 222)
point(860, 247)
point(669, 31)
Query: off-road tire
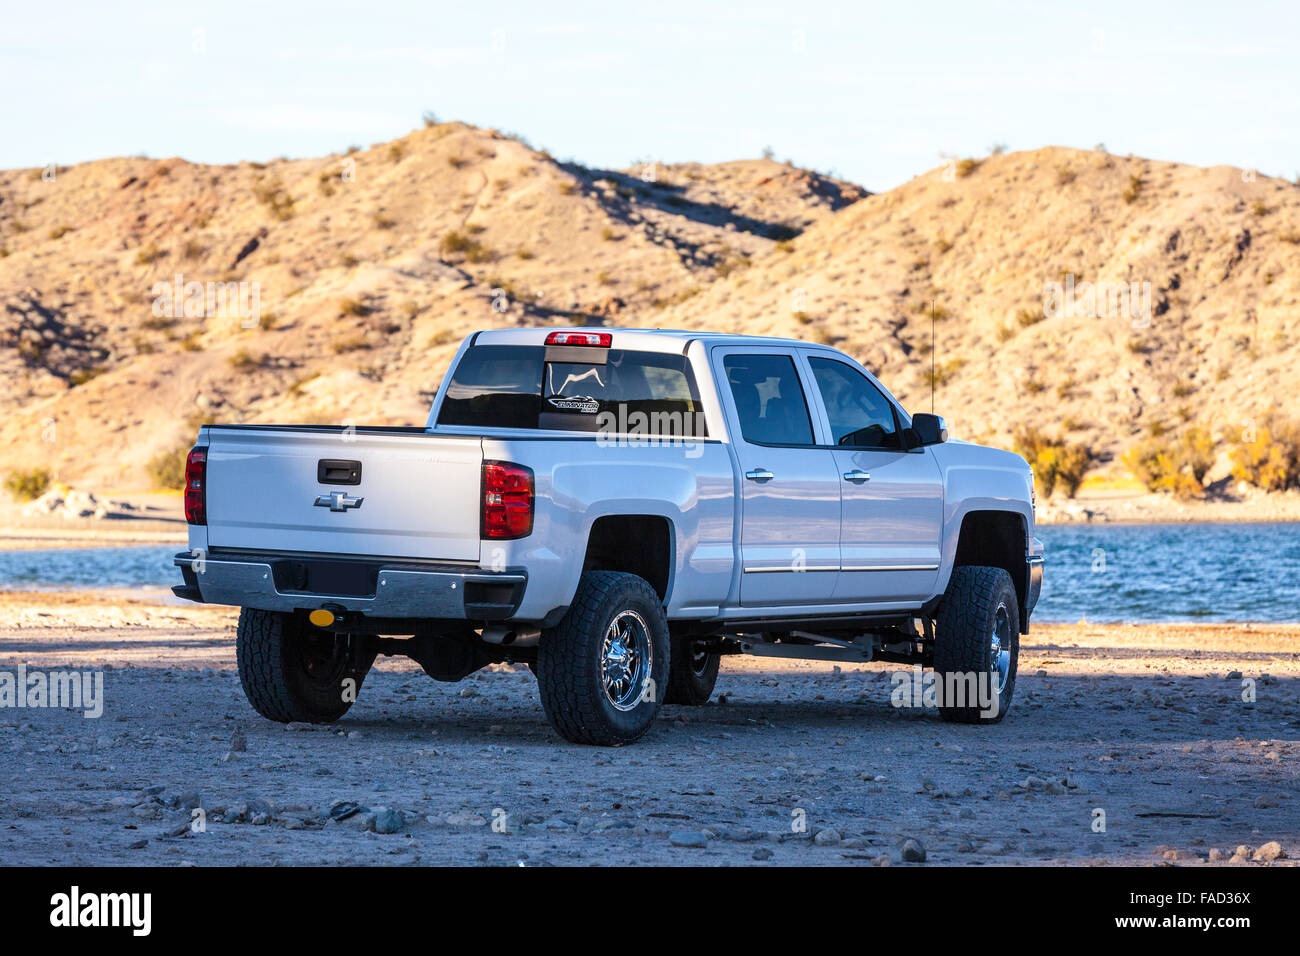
point(690, 678)
point(292, 671)
point(962, 643)
point(570, 677)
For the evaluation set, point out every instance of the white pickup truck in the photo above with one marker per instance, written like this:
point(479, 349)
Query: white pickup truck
point(618, 509)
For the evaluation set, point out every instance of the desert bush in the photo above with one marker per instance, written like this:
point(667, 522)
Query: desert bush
point(1055, 461)
point(1027, 317)
point(149, 254)
point(244, 361)
point(353, 307)
point(167, 470)
point(1176, 466)
point(1133, 190)
point(942, 374)
point(1271, 459)
point(967, 166)
point(83, 375)
point(29, 484)
point(354, 344)
point(457, 243)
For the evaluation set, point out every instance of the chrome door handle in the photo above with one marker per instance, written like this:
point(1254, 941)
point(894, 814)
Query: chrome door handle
point(857, 476)
point(759, 475)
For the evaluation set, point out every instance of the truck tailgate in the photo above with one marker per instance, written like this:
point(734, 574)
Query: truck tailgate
point(417, 494)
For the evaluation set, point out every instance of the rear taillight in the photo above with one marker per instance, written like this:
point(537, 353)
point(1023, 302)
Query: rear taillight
point(196, 498)
point(601, 340)
point(507, 501)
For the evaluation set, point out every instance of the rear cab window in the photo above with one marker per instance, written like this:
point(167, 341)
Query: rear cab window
point(574, 388)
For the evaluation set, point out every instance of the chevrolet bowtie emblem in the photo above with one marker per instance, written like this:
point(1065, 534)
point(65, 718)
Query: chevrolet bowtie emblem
point(338, 501)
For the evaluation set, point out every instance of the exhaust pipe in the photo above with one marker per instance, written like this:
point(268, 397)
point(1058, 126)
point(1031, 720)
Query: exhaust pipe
point(512, 636)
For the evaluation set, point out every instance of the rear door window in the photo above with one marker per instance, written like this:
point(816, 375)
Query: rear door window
point(769, 399)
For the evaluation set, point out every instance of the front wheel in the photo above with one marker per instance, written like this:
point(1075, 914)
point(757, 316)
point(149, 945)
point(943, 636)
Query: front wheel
point(977, 646)
point(603, 669)
point(292, 671)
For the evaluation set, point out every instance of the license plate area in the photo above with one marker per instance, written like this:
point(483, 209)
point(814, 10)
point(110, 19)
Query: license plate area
point(344, 578)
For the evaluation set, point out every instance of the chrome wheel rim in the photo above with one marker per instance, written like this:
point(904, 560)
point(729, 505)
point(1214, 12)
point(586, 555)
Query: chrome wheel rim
point(626, 657)
point(699, 660)
point(1000, 649)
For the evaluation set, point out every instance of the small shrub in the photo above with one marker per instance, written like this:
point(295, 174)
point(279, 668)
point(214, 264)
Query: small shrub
point(28, 485)
point(457, 243)
point(942, 374)
point(395, 152)
point(149, 254)
point(1056, 462)
point(1027, 317)
point(1174, 467)
point(167, 470)
point(354, 344)
point(967, 166)
point(1271, 459)
point(244, 361)
point(353, 307)
point(83, 375)
point(382, 221)
point(429, 119)
point(60, 231)
point(1134, 189)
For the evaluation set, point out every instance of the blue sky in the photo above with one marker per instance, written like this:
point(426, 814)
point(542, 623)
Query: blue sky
point(873, 91)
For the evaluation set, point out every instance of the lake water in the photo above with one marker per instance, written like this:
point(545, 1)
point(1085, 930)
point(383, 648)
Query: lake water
point(1103, 573)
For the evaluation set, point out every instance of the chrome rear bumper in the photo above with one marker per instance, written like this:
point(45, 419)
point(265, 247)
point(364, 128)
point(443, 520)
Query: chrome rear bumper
point(373, 588)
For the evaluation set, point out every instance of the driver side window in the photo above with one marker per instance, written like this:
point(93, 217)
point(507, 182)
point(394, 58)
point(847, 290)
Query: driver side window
point(860, 415)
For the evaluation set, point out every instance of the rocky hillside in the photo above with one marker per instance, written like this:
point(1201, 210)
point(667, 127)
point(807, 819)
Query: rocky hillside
point(369, 267)
point(1217, 346)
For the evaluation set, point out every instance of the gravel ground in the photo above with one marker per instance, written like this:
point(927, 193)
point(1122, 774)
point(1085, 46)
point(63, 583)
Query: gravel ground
point(792, 763)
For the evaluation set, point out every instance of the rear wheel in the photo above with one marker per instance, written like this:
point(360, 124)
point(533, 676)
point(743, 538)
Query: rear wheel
point(693, 674)
point(977, 645)
point(603, 669)
point(292, 671)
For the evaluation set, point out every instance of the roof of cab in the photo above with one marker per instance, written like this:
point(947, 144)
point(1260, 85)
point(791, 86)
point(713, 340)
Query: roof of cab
point(666, 340)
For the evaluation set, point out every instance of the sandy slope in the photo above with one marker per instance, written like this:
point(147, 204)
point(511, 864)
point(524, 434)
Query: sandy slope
point(363, 301)
point(1145, 723)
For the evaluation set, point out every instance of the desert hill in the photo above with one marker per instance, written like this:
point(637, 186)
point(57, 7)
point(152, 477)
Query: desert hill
point(370, 266)
point(369, 269)
point(1217, 348)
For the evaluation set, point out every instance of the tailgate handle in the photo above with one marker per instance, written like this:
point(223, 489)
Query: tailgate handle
point(338, 471)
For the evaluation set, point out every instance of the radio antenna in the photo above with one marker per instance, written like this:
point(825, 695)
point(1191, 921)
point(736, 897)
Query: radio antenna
point(932, 356)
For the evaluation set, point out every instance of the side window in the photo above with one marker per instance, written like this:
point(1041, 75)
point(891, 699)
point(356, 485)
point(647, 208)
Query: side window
point(769, 399)
point(860, 415)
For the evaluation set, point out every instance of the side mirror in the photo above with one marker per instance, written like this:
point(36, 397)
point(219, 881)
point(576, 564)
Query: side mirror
point(927, 429)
